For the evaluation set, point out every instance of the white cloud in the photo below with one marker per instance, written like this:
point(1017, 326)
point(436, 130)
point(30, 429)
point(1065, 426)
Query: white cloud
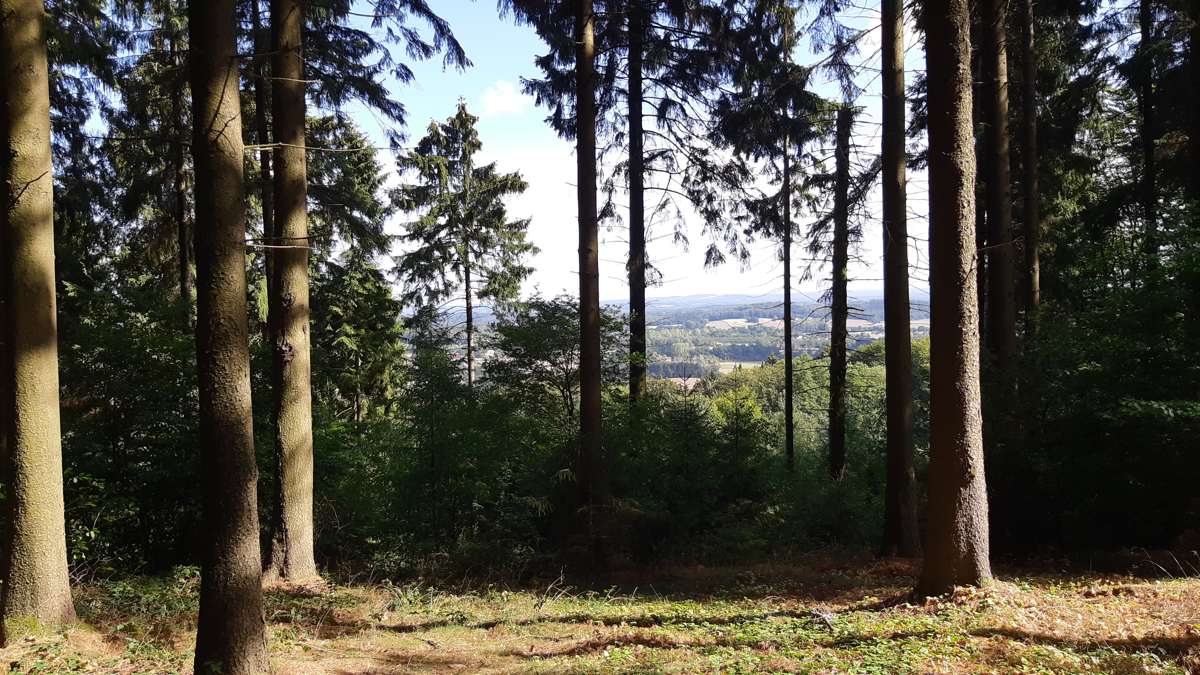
point(504, 98)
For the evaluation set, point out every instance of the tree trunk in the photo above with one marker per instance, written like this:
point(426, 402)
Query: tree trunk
point(900, 535)
point(956, 547)
point(179, 201)
point(262, 45)
point(1001, 336)
point(839, 309)
point(1145, 100)
point(789, 432)
point(979, 126)
point(466, 256)
point(36, 586)
point(1194, 62)
point(1031, 220)
point(590, 469)
point(470, 314)
point(231, 635)
point(6, 374)
point(358, 395)
point(1001, 295)
point(637, 211)
point(291, 555)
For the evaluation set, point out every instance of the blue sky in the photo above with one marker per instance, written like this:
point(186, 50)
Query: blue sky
point(515, 135)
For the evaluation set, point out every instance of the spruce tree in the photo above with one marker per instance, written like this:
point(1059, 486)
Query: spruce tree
point(462, 241)
point(231, 634)
point(839, 309)
point(34, 566)
point(956, 546)
point(900, 534)
point(290, 556)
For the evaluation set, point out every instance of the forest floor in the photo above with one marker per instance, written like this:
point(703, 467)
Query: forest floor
point(820, 615)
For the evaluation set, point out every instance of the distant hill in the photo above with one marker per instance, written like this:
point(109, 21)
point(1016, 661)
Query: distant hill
point(916, 294)
point(728, 306)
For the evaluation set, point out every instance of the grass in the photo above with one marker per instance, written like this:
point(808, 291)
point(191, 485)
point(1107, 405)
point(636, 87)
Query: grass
point(817, 615)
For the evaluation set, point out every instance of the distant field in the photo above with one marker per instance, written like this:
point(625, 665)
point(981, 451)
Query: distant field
point(729, 366)
point(726, 324)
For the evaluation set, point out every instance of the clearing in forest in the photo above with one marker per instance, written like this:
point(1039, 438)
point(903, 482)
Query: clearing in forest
point(812, 617)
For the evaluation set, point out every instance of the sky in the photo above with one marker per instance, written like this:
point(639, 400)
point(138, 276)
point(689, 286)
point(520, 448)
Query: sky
point(515, 135)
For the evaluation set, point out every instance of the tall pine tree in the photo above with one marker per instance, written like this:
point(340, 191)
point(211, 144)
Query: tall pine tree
point(34, 565)
point(231, 634)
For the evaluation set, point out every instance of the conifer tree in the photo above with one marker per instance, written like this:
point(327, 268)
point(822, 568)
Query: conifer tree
point(956, 546)
point(900, 535)
point(839, 309)
point(463, 240)
point(768, 116)
point(1031, 225)
point(34, 563)
point(571, 29)
point(231, 634)
point(290, 556)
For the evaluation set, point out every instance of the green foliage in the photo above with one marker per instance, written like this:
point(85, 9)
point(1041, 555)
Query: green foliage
point(356, 339)
point(462, 234)
point(536, 348)
point(415, 471)
point(130, 440)
point(346, 204)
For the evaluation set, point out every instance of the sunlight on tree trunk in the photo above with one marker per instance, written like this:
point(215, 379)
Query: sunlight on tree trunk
point(900, 535)
point(36, 586)
point(290, 557)
point(956, 547)
point(231, 634)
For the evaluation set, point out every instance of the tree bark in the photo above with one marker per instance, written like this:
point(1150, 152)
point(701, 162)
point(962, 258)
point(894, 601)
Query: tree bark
point(6, 373)
point(1001, 335)
point(839, 308)
point(590, 469)
point(179, 201)
point(470, 314)
point(291, 554)
point(979, 126)
point(1030, 214)
point(36, 585)
point(1001, 291)
point(1148, 130)
point(231, 635)
point(1194, 62)
point(262, 45)
point(900, 535)
point(789, 423)
point(957, 541)
point(466, 260)
point(637, 211)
